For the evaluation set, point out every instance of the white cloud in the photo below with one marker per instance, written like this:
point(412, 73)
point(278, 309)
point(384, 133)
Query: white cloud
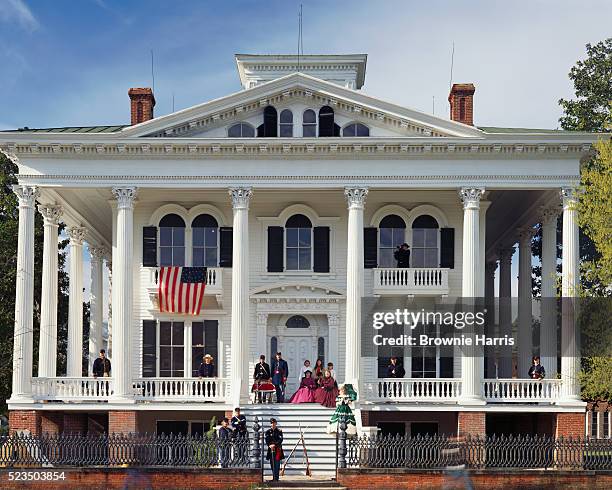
point(18, 11)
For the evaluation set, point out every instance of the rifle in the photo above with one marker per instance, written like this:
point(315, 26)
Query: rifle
point(300, 440)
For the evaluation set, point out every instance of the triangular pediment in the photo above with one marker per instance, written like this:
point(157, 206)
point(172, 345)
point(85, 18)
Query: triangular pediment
point(209, 120)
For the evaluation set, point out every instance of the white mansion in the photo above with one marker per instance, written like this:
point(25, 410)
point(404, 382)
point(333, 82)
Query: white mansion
point(294, 193)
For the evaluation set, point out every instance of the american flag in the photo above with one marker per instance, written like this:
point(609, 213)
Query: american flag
point(181, 289)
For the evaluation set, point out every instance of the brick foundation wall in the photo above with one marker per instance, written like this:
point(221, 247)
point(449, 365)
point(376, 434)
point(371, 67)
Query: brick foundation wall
point(122, 421)
point(570, 424)
point(141, 478)
point(471, 423)
point(479, 479)
point(21, 420)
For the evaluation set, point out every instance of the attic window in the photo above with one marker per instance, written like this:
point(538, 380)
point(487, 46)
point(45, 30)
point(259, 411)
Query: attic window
point(326, 121)
point(270, 129)
point(286, 123)
point(356, 129)
point(309, 120)
point(241, 130)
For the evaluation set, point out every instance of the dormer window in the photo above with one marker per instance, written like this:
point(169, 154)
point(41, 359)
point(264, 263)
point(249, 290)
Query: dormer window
point(309, 124)
point(355, 129)
point(241, 130)
point(326, 121)
point(269, 128)
point(286, 124)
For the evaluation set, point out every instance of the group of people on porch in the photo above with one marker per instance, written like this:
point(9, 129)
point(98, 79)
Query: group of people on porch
point(317, 384)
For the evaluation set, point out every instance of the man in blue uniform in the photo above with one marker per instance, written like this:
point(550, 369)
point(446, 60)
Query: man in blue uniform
point(274, 441)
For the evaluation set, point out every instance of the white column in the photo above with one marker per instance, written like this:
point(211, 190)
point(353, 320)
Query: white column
point(489, 290)
point(356, 198)
point(548, 330)
point(95, 304)
point(262, 335)
point(23, 342)
point(75, 303)
point(123, 255)
point(109, 323)
point(482, 229)
point(241, 197)
point(471, 359)
point(333, 322)
point(504, 368)
point(47, 345)
point(570, 280)
point(525, 317)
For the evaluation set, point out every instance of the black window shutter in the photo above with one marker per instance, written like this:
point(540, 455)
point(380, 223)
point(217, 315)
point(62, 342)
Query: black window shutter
point(149, 246)
point(446, 367)
point(149, 348)
point(226, 238)
point(370, 248)
point(321, 249)
point(447, 248)
point(275, 248)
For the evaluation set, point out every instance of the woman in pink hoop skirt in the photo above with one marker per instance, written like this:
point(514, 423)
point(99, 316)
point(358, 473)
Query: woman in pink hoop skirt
point(305, 393)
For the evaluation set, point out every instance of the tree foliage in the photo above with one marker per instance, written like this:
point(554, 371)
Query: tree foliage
point(592, 78)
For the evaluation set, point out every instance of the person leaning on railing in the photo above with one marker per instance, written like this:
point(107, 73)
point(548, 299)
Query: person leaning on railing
point(101, 366)
point(536, 371)
point(207, 368)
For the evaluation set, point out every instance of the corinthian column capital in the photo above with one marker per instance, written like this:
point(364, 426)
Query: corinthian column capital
point(27, 195)
point(241, 196)
point(77, 234)
point(549, 214)
point(505, 255)
point(526, 233)
point(125, 196)
point(356, 196)
point(51, 213)
point(570, 196)
point(97, 253)
point(470, 196)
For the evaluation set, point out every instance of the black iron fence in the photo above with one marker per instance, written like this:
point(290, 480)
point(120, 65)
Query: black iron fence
point(132, 449)
point(444, 452)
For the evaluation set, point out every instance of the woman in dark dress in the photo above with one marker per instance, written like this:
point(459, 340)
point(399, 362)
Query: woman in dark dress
point(327, 392)
point(317, 372)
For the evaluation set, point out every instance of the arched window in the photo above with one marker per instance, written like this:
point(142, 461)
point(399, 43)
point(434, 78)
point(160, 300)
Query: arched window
point(321, 349)
point(241, 130)
point(309, 124)
point(391, 234)
point(205, 241)
point(172, 240)
point(286, 123)
point(297, 321)
point(269, 128)
point(298, 243)
point(326, 121)
point(425, 231)
point(273, 347)
point(356, 129)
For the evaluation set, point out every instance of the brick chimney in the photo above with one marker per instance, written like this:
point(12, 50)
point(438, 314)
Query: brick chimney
point(461, 100)
point(142, 102)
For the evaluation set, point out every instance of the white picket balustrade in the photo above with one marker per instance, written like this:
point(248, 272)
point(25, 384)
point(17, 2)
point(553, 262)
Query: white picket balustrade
point(424, 280)
point(73, 389)
point(413, 389)
point(521, 390)
point(181, 389)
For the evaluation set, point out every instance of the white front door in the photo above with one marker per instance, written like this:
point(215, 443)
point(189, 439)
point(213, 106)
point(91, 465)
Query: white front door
point(295, 350)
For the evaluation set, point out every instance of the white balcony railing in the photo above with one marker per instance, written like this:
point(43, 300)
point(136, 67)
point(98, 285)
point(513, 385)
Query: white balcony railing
point(414, 390)
point(424, 280)
point(214, 283)
point(72, 389)
point(521, 390)
point(182, 389)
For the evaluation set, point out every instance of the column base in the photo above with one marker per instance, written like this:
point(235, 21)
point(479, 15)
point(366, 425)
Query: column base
point(571, 402)
point(472, 401)
point(122, 400)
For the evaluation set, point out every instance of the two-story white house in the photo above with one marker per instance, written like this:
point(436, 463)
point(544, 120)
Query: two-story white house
point(294, 193)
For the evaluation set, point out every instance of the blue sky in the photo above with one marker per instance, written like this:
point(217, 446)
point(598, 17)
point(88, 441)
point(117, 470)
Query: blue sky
point(71, 62)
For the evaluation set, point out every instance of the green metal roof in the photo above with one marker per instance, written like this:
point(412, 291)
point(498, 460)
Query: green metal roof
point(493, 129)
point(72, 129)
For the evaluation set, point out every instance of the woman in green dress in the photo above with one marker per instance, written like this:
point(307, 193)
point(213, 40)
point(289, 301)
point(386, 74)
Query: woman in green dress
point(346, 396)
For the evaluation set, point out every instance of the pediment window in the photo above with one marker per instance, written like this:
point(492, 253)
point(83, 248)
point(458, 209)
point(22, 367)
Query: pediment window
point(241, 130)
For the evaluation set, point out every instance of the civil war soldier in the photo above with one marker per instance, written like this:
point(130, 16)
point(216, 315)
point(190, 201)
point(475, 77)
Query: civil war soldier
point(274, 441)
